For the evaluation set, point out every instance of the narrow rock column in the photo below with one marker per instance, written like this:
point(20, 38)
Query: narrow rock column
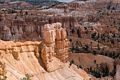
point(62, 44)
point(47, 52)
point(55, 46)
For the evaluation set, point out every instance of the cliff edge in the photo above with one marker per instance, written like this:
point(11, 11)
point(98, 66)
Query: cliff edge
point(42, 60)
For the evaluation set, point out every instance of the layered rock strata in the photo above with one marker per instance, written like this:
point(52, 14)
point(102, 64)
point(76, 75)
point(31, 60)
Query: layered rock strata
point(32, 57)
point(2, 71)
point(15, 48)
point(10, 54)
point(55, 45)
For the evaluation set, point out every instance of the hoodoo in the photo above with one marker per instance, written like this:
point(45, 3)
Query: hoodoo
point(55, 46)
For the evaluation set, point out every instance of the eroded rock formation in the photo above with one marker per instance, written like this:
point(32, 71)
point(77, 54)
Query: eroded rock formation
point(55, 44)
point(54, 47)
point(2, 70)
point(16, 48)
point(35, 57)
point(117, 77)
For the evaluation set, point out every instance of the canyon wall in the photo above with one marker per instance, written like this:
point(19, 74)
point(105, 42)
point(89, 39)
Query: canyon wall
point(28, 27)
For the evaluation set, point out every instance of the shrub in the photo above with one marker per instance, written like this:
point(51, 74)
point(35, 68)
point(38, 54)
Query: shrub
point(27, 77)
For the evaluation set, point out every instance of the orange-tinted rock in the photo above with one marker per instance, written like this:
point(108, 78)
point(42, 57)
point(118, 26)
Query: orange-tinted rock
point(2, 71)
point(54, 45)
point(22, 58)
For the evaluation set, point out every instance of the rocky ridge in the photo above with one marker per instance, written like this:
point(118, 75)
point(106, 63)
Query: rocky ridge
point(37, 58)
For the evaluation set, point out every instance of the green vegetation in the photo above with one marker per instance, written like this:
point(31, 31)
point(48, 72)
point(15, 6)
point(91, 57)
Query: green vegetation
point(27, 77)
point(71, 62)
point(18, 0)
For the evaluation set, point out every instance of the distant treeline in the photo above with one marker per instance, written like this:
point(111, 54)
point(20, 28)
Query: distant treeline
point(2, 1)
point(36, 2)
